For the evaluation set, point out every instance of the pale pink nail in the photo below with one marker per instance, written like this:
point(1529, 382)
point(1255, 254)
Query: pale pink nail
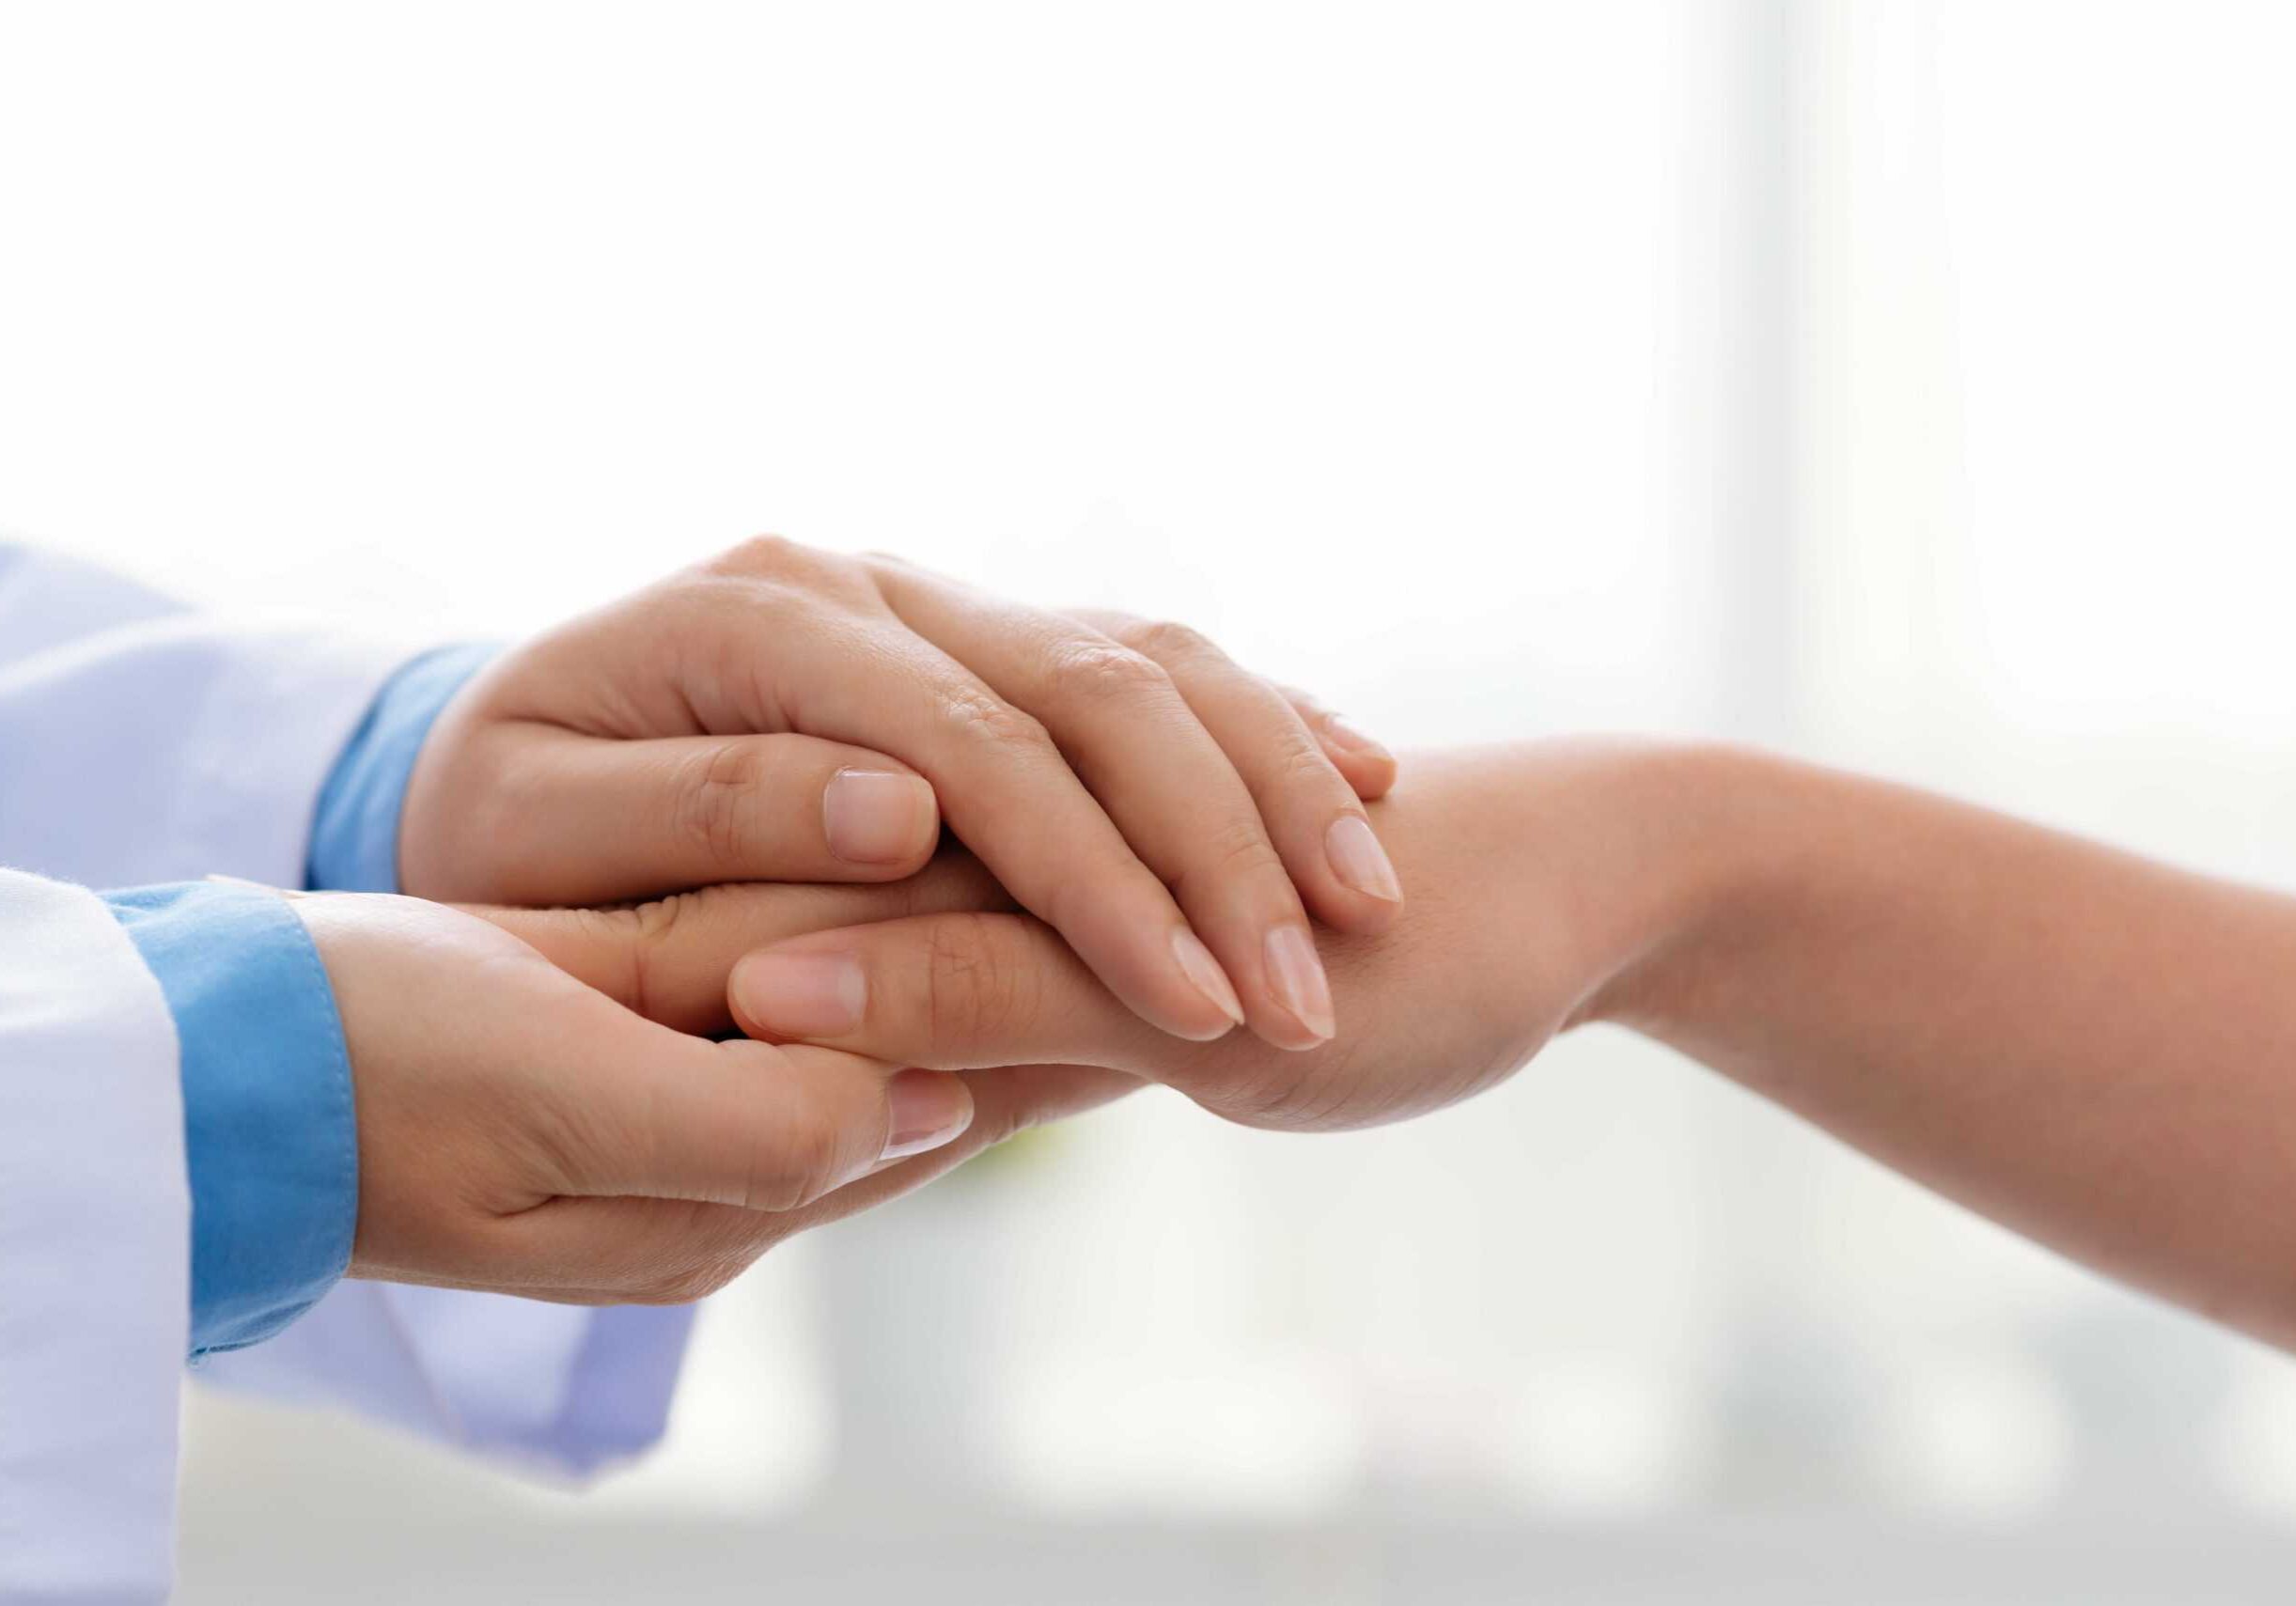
point(1200, 967)
point(801, 995)
point(1358, 859)
point(878, 816)
point(929, 1107)
point(1296, 974)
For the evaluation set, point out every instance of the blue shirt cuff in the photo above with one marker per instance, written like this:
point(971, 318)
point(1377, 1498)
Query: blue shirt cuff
point(270, 1130)
point(354, 833)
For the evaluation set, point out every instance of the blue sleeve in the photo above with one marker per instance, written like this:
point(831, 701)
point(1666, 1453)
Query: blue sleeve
point(354, 832)
point(271, 1136)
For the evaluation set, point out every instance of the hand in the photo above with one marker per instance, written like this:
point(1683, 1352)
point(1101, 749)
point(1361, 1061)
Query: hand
point(523, 1132)
point(782, 713)
point(2087, 1047)
point(1534, 891)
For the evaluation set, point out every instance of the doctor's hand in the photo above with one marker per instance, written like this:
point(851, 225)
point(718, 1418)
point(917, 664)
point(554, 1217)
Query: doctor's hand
point(1534, 894)
point(521, 1132)
point(786, 714)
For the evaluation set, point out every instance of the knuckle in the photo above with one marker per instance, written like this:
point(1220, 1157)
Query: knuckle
point(1169, 642)
point(720, 801)
point(1105, 672)
point(1238, 848)
point(1242, 844)
point(1298, 761)
point(1001, 1126)
point(762, 556)
point(650, 929)
point(975, 987)
point(620, 932)
point(995, 725)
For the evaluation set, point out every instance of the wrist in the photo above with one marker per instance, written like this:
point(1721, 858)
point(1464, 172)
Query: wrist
point(1702, 831)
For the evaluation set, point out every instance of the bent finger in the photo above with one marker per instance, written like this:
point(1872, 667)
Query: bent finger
point(1368, 765)
point(1313, 811)
point(1146, 756)
point(1011, 796)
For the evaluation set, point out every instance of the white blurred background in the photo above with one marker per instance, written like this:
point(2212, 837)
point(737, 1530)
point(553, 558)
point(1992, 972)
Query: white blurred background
point(1904, 383)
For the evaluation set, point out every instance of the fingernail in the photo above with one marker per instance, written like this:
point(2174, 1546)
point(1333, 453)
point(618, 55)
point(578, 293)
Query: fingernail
point(1354, 741)
point(929, 1107)
point(801, 995)
point(877, 817)
point(1298, 978)
point(1198, 966)
point(1358, 859)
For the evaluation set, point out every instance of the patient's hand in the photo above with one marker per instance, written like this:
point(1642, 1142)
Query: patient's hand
point(1527, 899)
point(2089, 1047)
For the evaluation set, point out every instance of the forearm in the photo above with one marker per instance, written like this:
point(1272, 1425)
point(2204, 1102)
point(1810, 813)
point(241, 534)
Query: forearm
point(2097, 1051)
point(2094, 1049)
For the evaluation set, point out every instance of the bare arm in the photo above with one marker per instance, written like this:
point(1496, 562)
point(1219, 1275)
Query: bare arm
point(2091, 1048)
point(2097, 1051)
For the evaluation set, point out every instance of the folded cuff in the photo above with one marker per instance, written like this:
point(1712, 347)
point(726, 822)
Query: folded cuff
point(354, 832)
point(271, 1136)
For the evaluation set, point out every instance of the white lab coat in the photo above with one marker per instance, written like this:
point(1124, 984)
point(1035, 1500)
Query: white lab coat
point(139, 744)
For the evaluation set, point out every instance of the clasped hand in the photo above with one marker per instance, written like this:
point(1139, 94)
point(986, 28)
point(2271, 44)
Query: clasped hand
point(1141, 831)
point(549, 1102)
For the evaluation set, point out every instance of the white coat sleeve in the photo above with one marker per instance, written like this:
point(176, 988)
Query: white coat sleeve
point(140, 743)
point(95, 1226)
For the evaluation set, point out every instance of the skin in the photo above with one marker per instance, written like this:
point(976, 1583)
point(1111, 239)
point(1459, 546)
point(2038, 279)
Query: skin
point(526, 1121)
point(2089, 1047)
point(781, 714)
point(523, 1131)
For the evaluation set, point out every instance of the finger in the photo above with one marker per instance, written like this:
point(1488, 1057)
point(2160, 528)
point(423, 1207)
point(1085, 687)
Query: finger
point(1312, 811)
point(1134, 740)
point(962, 991)
point(668, 960)
point(1011, 796)
point(1007, 1100)
point(608, 1251)
point(1368, 765)
point(949, 992)
point(586, 820)
point(742, 1123)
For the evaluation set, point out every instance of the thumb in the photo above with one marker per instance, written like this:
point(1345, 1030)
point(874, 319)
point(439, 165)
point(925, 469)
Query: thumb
point(743, 1123)
point(659, 1251)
